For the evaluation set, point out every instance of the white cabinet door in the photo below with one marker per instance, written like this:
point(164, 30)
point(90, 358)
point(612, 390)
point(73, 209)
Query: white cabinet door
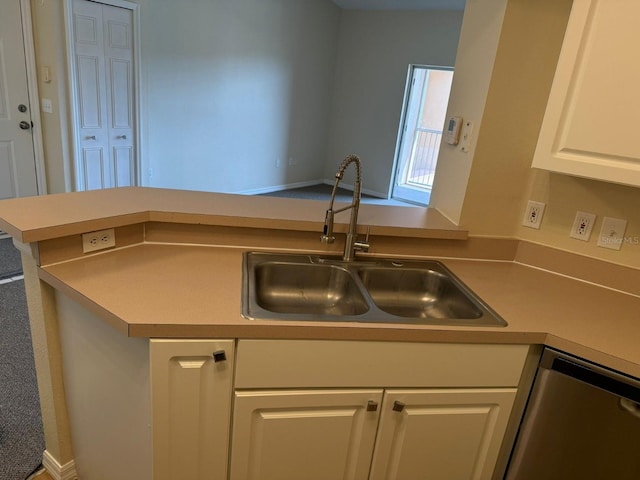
point(191, 400)
point(448, 434)
point(303, 434)
point(590, 125)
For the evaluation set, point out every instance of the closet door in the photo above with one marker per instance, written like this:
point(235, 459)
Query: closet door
point(103, 43)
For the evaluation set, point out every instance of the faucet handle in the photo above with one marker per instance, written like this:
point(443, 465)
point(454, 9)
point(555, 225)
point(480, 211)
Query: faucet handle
point(327, 239)
point(363, 246)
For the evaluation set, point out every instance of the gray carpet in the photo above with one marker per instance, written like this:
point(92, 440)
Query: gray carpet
point(21, 435)
point(10, 263)
point(322, 191)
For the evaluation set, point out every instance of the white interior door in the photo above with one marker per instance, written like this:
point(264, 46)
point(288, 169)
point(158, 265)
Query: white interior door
point(103, 43)
point(17, 159)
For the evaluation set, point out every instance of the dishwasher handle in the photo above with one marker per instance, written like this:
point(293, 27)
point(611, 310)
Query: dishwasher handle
point(629, 406)
point(613, 382)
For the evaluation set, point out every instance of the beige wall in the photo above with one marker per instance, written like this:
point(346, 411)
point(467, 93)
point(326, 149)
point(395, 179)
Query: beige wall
point(501, 180)
point(481, 26)
point(49, 40)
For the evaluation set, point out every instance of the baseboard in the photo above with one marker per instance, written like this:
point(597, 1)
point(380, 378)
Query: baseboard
point(277, 188)
point(57, 471)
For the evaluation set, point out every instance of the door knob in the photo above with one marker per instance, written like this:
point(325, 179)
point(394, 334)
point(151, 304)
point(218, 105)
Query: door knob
point(398, 406)
point(25, 125)
point(90, 137)
point(372, 406)
point(121, 137)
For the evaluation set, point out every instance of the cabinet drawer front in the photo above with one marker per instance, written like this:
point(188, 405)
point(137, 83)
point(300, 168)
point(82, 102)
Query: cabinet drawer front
point(318, 363)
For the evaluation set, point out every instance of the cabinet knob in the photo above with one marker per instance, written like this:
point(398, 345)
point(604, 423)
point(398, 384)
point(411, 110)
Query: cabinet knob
point(398, 406)
point(372, 406)
point(219, 356)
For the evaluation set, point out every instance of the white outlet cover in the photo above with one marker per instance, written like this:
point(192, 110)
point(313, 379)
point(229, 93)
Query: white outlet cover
point(582, 226)
point(533, 214)
point(612, 233)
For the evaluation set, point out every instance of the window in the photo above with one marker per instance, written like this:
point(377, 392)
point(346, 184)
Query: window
point(424, 113)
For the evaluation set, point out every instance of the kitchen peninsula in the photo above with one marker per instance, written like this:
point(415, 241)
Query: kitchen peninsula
point(175, 276)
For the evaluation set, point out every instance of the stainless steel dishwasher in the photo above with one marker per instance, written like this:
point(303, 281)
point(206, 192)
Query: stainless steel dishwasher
point(582, 422)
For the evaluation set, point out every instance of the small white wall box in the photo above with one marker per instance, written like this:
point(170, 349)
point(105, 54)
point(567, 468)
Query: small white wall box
point(452, 133)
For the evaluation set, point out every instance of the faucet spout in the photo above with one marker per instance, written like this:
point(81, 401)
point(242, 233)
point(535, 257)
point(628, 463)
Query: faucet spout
point(351, 243)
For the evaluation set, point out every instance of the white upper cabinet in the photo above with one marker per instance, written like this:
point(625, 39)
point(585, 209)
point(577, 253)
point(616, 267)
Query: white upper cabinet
point(590, 127)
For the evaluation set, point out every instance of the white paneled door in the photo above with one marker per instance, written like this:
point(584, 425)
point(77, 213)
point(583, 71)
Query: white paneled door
point(103, 47)
point(17, 161)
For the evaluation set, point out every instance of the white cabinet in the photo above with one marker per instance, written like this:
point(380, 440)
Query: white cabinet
point(448, 434)
point(294, 417)
point(590, 124)
point(191, 388)
point(310, 434)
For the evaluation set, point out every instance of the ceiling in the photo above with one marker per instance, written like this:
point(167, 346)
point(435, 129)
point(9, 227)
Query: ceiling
point(401, 4)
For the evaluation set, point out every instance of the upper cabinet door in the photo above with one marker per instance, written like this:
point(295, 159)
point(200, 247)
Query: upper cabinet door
point(590, 125)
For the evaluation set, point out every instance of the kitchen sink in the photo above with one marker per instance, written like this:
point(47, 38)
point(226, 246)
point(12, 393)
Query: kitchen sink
point(417, 293)
point(376, 290)
point(316, 289)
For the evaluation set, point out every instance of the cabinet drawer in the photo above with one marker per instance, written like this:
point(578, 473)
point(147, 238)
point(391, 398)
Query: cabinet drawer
point(318, 363)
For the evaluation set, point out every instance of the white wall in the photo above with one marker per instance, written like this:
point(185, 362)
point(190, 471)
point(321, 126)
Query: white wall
point(375, 50)
point(232, 86)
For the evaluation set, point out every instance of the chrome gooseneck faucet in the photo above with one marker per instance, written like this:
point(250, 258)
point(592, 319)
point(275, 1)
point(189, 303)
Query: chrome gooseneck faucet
point(351, 243)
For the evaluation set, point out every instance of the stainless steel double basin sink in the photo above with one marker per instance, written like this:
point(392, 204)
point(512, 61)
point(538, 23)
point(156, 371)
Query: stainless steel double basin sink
point(376, 290)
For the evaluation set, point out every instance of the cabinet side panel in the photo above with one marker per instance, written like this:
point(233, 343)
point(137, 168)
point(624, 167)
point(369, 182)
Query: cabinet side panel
point(106, 378)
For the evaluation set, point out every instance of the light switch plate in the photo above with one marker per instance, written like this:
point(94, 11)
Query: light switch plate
point(466, 136)
point(46, 105)
point(612, 233)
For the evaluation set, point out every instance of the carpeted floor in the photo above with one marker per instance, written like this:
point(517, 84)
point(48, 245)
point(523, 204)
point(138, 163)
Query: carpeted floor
point(322, 192)
point(21, 435)
point(10, 262)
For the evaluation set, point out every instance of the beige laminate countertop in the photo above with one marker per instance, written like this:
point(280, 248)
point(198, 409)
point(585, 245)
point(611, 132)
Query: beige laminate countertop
point(180, 291)
point(34, 219)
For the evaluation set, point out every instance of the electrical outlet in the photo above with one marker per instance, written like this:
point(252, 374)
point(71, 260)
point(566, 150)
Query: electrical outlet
point(582, 226)
point(612, 233)
point(98, 240)
point(533, 214)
